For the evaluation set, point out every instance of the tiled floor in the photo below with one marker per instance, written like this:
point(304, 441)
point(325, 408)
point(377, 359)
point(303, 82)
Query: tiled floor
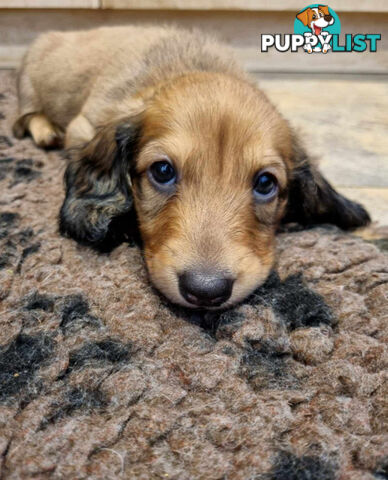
point(344, 122)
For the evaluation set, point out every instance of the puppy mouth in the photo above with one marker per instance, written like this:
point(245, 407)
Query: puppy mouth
point(317, 30)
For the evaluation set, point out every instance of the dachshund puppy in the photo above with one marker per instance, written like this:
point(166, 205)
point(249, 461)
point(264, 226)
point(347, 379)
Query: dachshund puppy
point(165, 130)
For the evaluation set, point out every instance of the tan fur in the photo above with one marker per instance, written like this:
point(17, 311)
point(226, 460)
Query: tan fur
point(191, 103)
point(67, 74)
point(43, 132)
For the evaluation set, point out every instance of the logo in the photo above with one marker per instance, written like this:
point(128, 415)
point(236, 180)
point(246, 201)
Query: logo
point(317, 29)
point(317, 24)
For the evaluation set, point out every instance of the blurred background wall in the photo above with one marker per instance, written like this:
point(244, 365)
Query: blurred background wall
point(238, 22)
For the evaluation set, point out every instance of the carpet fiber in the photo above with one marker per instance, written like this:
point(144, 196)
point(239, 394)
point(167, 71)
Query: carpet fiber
point(101, 378)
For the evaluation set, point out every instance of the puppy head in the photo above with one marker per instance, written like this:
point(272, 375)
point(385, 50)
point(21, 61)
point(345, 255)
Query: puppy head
point(209, 166)
point(316, 18)
point(209, 188)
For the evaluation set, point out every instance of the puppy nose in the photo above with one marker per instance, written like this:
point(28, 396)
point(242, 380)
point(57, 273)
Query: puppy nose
point(205, 289)
point(328, 18)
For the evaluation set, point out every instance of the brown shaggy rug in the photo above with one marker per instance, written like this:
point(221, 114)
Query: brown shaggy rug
point(101, 378)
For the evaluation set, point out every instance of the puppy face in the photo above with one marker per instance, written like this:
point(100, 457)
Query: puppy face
point(209, 186)
point(211, 168)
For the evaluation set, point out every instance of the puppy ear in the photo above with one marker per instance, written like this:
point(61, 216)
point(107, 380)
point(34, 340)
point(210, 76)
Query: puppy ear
point(324, 8)
point(303, 17)
point(312, 200)
point(98, 207)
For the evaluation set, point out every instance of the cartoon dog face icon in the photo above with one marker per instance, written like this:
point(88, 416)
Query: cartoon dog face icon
point(316, 18)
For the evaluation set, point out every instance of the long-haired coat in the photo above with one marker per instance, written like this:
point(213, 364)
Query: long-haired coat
point(167, 131)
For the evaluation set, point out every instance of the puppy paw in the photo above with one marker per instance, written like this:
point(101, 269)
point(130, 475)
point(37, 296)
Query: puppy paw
point(43, 132)
point(308, 48)
point(47, 139)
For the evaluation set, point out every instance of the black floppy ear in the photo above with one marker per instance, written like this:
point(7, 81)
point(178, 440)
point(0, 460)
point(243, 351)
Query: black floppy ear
point(98, 207)
point(313, 200)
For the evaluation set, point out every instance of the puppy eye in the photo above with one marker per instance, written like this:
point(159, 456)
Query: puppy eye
point(314, 16)
point(162, 174)
point(265, 187)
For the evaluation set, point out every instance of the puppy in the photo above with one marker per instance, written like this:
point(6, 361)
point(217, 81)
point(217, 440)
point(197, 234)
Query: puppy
point(316, 19)
point(167, 131)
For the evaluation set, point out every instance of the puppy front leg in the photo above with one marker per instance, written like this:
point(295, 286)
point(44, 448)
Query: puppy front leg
point(43, 132)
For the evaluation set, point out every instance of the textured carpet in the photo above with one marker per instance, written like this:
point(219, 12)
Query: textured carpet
point(101, 378)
